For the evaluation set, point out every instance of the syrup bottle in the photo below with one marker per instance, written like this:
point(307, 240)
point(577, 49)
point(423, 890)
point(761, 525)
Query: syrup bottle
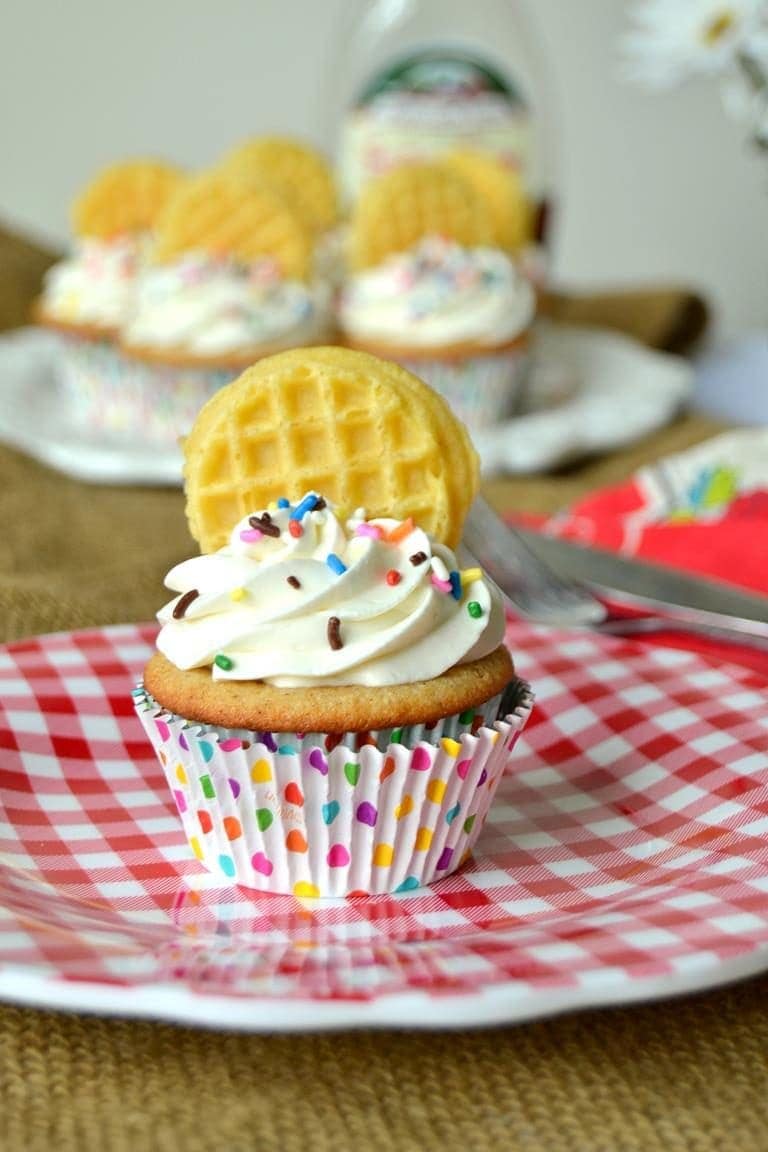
point(417, 78)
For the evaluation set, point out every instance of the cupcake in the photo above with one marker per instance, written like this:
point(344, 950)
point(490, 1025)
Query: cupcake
point(86, 297)
point(228, 280)
point(331, 699)
point(435, 286)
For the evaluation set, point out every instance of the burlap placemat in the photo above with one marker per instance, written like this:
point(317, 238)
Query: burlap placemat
point(688, 1074)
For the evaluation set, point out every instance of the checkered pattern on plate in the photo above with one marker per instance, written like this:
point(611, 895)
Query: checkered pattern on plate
point(629, 843)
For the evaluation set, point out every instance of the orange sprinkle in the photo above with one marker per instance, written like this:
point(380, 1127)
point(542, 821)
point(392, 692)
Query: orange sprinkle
point(400, 532)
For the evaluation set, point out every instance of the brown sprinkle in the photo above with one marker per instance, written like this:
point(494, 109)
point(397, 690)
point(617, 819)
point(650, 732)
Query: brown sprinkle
point(334, 634)
point(418, 558)
point(181, 605)
point(264, 524)
point(321, 503)
point(293, 581)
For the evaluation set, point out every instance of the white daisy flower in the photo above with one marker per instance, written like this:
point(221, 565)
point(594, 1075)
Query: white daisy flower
point(669, 41)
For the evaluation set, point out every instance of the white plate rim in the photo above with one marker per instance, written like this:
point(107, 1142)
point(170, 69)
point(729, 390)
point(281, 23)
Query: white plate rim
point(497, 1005)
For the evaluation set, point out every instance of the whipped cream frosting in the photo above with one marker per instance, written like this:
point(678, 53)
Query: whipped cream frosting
point(210, 306)
point(438, 294)
point(95, 285)
point(298, 598)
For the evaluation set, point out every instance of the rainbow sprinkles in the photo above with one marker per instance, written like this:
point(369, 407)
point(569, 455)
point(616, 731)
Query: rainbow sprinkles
point(353, 600)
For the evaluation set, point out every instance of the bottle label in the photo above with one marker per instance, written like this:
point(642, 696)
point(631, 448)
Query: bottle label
point(430, 103)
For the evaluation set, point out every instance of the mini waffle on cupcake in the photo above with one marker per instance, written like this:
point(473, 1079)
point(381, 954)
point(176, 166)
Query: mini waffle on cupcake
point(228, 281)
point(331, 699)
point(304, 178)
point(296, 170)
point(434, 285)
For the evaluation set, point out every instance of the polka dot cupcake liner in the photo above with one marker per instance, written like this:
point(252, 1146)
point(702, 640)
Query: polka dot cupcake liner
point(319, 815)
point(481, 389)
point(109, 392)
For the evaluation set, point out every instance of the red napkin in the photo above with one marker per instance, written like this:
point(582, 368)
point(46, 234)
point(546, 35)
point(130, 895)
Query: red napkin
point(702, 511)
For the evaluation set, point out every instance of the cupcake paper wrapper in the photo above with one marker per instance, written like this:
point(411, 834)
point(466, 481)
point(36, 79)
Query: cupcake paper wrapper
point(108, 392)
point(309, 815)
point(481, 389)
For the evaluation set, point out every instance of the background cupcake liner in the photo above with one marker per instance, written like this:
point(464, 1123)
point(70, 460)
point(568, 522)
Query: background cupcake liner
point(109, 392)
point(306, 815)
point(481, 389)
point(162, 401)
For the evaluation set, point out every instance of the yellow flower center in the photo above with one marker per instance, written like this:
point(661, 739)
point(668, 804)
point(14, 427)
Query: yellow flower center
point(718, 27)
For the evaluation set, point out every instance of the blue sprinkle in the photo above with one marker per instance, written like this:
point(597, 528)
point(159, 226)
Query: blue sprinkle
point(304, 506)
point(286, 750)
point(283, 502)
point(455, 580)
point(335, 564)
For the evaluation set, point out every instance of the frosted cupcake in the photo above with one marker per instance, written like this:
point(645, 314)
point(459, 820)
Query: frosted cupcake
point(458, 317)
point(331, 699)
point(88, 296)
point(228, 281)
point(433, 286)
point(332, 703)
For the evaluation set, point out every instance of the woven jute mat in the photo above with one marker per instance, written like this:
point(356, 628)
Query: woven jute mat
point(687, 1074)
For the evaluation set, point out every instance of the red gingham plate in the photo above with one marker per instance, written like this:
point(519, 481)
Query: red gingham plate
point(626, 857)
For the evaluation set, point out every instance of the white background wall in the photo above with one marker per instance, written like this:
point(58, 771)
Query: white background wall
point(653, 187)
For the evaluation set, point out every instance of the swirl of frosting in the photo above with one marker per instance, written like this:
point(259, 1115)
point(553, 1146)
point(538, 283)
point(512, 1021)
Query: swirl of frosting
point(95, 285)
point(208, 307)
point(438, 294)
point(299, 599)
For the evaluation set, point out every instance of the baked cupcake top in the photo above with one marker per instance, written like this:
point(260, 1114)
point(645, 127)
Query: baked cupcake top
point(438, 293)
point(301, 598)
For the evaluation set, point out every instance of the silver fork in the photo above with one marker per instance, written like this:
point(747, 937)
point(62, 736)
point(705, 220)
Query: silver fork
point(534, 590)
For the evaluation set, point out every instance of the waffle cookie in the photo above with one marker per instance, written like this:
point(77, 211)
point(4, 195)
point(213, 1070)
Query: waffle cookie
point(295, 170)
point(215, 215)
point(501, 189)
point(363, 431)
point(125, 198)
point(410, 202)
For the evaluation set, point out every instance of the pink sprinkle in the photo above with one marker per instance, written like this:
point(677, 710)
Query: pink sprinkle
point(371, 530)
point(441, 585)
point(251, 535)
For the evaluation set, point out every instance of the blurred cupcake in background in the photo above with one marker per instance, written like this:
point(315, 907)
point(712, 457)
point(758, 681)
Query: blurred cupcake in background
point(303, 177)
point(228, 280)
point(87, 296)
point(435, 282)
